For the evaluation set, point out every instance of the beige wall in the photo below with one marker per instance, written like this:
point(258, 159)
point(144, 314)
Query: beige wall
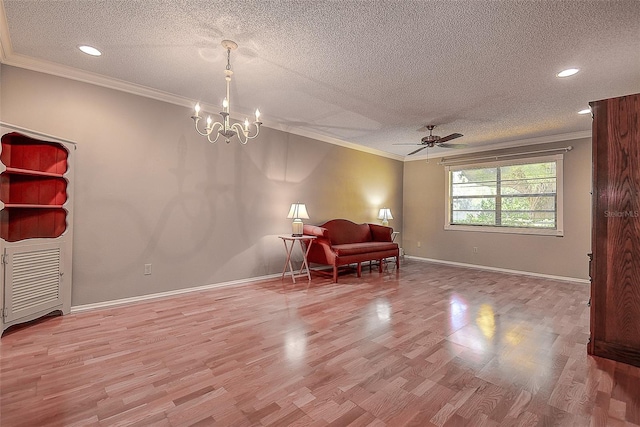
point(150, 190)
point(424, 216)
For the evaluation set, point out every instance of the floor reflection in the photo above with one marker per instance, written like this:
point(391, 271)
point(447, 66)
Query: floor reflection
point(519, 347)
point(457, 312)
point(295, 345)
point(379, 315)
point(486, 321)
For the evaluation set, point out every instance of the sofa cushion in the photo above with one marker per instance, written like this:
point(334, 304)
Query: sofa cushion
point(381, 233)
point(343, 231)
point(363, 248)
point(313, 230)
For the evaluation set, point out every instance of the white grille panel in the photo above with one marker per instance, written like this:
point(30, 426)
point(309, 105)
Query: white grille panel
point(36, 278)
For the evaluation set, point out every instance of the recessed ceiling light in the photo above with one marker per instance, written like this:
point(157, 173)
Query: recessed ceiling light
point(568, 72)
point(90, 50)
point(585, 111)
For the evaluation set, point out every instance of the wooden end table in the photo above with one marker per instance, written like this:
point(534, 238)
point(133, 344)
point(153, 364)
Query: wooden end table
point(289, 242)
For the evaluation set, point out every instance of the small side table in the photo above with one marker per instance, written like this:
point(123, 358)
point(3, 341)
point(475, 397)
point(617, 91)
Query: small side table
point(289, 242)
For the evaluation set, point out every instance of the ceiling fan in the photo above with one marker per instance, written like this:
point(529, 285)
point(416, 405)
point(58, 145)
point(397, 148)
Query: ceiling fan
point(432, 140)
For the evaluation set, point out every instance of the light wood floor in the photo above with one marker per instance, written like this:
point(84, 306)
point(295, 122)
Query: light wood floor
point(430, 345)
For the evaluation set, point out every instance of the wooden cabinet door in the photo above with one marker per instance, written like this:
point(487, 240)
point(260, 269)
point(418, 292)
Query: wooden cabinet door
point(615, 290)
point(33, 274)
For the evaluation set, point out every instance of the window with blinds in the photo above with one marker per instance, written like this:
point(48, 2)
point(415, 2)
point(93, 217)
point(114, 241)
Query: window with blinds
point(522, 196)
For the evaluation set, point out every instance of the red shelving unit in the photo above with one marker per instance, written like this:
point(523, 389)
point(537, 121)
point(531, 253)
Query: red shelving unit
point(36, 225)
point(32, 188)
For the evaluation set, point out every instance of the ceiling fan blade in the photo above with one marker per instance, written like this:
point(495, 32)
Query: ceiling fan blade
point(445, 145)
point(406, 143)
point(450, 137)
point(419, 149)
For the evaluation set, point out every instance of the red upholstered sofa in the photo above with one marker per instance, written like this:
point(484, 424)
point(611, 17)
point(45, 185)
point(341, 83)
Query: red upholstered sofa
point(341, 242)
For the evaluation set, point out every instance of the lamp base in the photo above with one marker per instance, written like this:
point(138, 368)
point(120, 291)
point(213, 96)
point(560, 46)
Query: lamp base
point(297, 227)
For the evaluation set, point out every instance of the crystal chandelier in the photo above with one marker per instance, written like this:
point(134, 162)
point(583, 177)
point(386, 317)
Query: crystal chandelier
point(223, 127)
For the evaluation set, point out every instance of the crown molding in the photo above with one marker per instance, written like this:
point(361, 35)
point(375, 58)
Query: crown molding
point(47, 67)
point(335, 141)
point(52, 68)
point(9, 57)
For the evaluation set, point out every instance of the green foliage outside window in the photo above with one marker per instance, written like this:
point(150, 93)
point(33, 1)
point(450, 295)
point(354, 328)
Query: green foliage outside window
point(517, 195)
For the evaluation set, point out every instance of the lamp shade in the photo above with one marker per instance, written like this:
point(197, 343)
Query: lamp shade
point(385, 214)
point(298, 211)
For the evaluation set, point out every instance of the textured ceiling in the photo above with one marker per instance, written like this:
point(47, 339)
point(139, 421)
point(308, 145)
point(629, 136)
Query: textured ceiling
point(371, 73)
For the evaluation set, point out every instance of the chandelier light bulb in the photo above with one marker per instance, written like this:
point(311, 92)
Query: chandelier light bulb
point(197, 109)
point(257, 115)
point(246, 124)
point(225, 103)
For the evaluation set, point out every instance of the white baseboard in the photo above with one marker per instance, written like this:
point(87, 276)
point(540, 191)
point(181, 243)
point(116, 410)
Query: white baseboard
point(105, 304)
point(501, 270)
point(131, 300)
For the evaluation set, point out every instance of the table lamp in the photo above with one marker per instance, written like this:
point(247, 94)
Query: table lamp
point(298, 212)
point(385, 216)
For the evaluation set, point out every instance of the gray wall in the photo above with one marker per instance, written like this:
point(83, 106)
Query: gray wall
point(424, 216)
point(150, 190)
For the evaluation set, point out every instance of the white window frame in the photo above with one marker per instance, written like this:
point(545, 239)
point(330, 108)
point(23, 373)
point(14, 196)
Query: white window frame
point(558, 231)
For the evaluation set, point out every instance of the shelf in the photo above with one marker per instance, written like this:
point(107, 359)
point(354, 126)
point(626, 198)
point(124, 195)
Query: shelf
point(19, 223)
point(17, 189)
point(29, 172)
point(22, 153)
point(30, 206)
point(32, 188)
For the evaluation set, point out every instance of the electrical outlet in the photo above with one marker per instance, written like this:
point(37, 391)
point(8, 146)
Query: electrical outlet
point(419, 244)
point(147, 269)
point(475, 249)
